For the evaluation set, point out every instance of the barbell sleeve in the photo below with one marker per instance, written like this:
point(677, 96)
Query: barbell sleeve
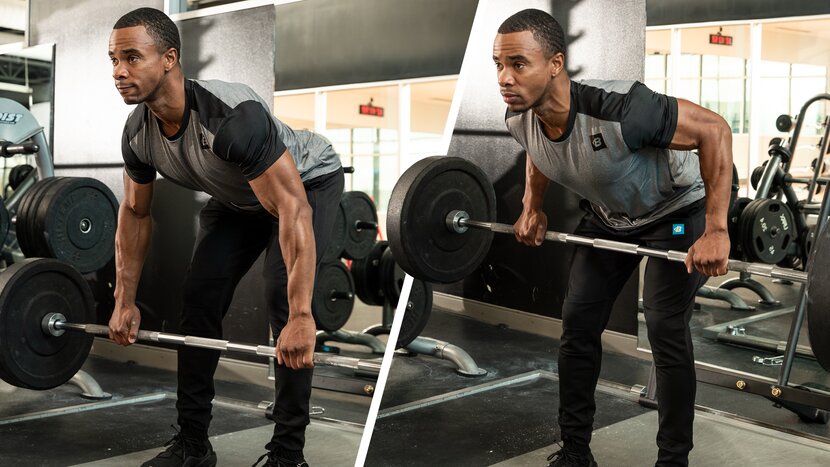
point(765, 270)
point(371, 367)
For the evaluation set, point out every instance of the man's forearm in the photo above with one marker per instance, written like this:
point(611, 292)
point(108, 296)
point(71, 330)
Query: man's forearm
point(536, 183)
point(716, 170)
point(132, 239)
point(300, 255)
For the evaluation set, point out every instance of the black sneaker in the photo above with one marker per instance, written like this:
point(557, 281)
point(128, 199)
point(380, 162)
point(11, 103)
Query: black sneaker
point(566, 458)
point(184, 452)
point(273, 460)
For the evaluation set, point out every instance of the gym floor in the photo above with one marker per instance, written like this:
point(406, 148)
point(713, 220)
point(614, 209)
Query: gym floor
point(59, 428)
point(432, 416)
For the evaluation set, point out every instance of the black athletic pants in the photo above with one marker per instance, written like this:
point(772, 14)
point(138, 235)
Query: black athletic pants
point(229, 242)
point(596, 278)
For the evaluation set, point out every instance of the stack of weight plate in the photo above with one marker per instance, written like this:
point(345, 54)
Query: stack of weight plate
point(353, 237)
point(72, 219)
point(355, 228)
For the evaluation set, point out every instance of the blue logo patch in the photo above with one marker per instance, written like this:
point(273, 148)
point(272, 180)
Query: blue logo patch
point(678, 229)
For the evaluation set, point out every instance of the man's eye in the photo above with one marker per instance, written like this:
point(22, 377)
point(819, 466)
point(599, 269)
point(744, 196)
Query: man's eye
point(132, 59)
point(519, 65)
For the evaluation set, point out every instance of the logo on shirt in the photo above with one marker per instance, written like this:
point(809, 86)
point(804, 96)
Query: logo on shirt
point(597, 142)
point(203, 141)
point(678, 229)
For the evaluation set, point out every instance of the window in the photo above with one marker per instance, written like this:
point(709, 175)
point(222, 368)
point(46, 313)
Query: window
point(380, 148)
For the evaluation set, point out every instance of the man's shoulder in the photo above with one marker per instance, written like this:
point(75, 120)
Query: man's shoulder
point(135, 121)
point(617, 86)
point(228, 93)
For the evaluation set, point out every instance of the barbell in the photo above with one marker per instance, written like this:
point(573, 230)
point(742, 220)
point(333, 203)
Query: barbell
point(441, 221)
point(41, 298)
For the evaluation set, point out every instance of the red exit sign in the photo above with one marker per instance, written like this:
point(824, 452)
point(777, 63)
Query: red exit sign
point(720, 39)
point(369, 109)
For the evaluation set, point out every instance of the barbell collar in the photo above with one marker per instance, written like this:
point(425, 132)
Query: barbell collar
point(455, 221)
point(55, 322)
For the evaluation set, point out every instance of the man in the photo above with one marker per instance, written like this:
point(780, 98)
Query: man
point(272, 189)
point(625, 150)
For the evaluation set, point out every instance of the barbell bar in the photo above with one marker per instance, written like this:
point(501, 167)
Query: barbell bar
point(458, 221)
point(42, 298)
point(55, 324)
point(441, 222)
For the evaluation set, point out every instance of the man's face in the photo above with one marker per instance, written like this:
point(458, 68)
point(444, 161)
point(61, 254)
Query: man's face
point(137, 65)
point(524, 74)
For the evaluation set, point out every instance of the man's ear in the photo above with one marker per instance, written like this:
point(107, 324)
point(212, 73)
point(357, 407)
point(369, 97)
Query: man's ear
point(557, 64)
point(171, 57)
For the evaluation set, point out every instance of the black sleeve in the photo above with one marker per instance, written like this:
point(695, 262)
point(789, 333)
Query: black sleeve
point(138, 171)
point(248, 137)
point(648, 118)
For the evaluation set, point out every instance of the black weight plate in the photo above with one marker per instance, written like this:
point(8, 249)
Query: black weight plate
point(366, 275)
point(29, 358)
point(78, 218)
point(5, 222)
point(334, 249)
point(733, 227)
point(419, 305)
point(24, 240)
point(818, 298)
point(27, 235)
point(418, 310)
point(34, 232)
point(19, 173)
point(331, 313)
point(767, 230)
point(357, 207)
point(391, 277)
point(39, 208)
point(416, 218)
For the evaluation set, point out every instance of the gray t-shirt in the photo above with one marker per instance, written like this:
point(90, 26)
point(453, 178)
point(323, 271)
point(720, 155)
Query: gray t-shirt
point(227, 138)
point(614, 152)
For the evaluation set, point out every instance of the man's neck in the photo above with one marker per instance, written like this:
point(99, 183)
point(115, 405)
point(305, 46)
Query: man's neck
point(554, 112)
point(168, 104)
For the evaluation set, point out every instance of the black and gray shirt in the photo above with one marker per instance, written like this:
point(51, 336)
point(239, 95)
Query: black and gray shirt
point(614, 152)
point(228, 137)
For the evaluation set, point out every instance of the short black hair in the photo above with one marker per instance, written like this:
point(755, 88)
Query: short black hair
point(158, 25)
point(546, 30)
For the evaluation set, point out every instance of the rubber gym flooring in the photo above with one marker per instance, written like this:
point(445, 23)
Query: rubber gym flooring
point(58, 428)
point(432, 416)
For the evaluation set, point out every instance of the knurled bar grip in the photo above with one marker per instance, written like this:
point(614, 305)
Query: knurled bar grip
point(366, 366)
point(765, 270)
